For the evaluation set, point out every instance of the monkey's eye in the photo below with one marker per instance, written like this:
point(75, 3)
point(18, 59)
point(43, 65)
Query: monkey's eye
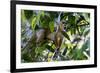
point(64, 28)
point(63, 22)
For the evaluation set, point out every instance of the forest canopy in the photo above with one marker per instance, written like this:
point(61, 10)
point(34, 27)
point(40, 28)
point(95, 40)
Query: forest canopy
point(54, 36)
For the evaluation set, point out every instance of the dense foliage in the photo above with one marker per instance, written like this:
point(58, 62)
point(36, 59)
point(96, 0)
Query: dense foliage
point(76, 38)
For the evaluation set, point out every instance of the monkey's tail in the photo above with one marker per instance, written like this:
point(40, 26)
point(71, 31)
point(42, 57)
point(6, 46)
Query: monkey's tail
point(55, 56)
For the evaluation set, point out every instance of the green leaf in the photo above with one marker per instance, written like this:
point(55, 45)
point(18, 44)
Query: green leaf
point(49, 48)
point(79, 54)
point(28, 13)
point(26, 56)
point(86, 33)
point(65, 51)
point(34, 21)
point(66, 35)
point(86, 45)
point(71, 19)
point(39, 50)
point(23, 16)
point(51, 26)
point(64, 16)
point(86, 16)
point(53, 15)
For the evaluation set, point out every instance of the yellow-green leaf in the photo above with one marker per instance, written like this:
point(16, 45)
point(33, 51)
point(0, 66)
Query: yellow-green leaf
point(51, 26)
point(33, 24)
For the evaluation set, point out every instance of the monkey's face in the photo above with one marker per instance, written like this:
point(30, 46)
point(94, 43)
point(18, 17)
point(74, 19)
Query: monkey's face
point(62, 25)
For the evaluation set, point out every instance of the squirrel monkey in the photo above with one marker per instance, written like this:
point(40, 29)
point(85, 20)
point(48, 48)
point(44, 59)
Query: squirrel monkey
point(43, 34)
point(58, 38)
